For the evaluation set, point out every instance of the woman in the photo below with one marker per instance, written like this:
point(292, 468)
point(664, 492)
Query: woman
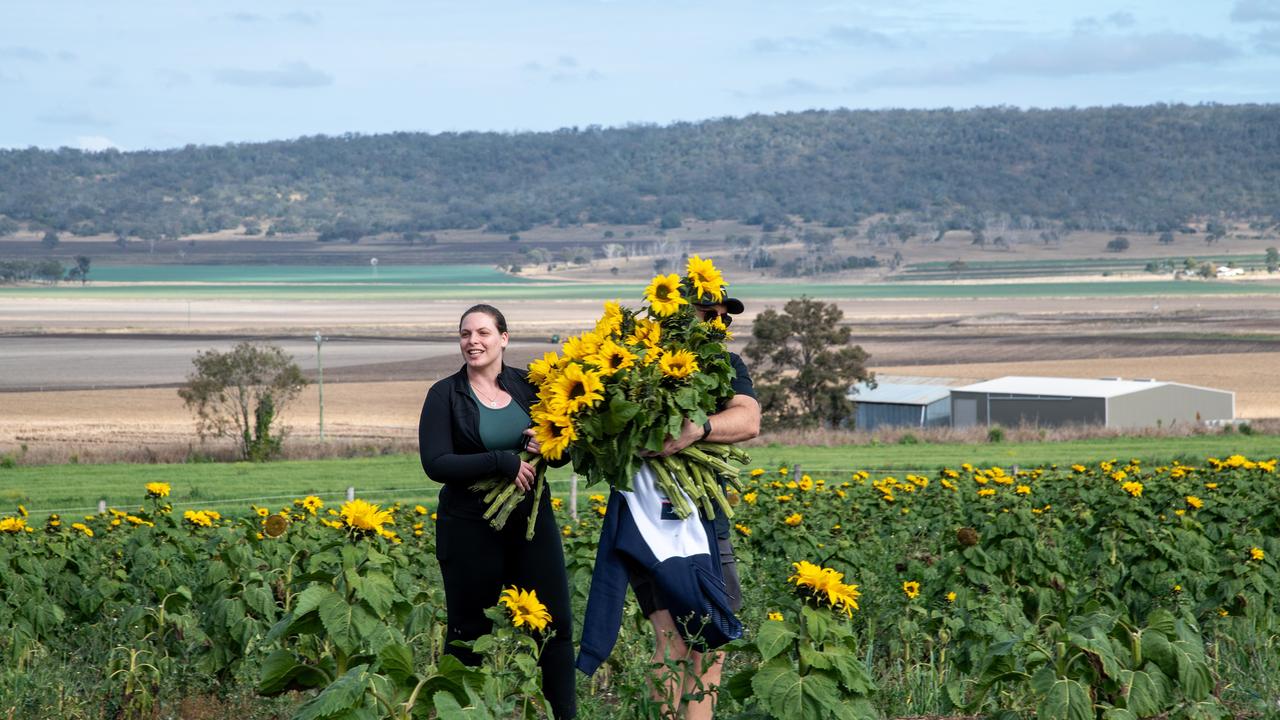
point(473, 425)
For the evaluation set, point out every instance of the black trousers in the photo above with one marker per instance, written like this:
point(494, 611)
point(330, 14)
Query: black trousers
point(478, 562)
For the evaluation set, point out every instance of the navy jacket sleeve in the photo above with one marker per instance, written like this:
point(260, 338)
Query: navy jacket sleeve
point(603, 616)
point(440, 458)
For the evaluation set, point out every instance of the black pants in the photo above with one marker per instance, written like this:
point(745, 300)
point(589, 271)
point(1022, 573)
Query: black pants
point(478, 562)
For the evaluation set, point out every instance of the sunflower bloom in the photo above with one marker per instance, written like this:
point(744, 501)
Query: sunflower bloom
point(1195, 502)
point(553, 433)
point(1133, 487)
point(911, 588)
point(542, 368)
point(157, 490)
point(610, 324)
point(707, 280)
point(647, 333)
point(12, 525)
point(1256, 553)
point(775, 616)
point(679, 364)
point(525, 608)
point(365, 517)
point(577, 388)
point(794, 519)
point(612, 357)
point(664, 296)
point(82, 528)
point(825, 585)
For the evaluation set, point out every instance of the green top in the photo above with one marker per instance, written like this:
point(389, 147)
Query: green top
point(502, 428)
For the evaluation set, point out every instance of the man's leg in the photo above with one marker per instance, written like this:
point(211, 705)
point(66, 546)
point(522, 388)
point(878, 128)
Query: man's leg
point(702, 677)
point(670, 656)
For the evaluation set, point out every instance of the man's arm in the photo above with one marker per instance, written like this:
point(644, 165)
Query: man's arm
point(738, 421)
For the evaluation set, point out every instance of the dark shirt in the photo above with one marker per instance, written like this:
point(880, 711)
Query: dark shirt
point(742, 385)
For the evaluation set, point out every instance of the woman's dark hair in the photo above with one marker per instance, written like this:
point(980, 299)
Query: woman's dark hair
point(498, 319)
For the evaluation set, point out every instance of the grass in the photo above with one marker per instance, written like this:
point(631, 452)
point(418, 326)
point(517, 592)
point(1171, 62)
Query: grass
point(564, 290)
point(225, 487)
point(280, 274)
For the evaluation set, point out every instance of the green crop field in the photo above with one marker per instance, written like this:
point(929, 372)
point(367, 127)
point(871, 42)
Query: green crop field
point(458, 289)
point(232, 487)
point(305, 275)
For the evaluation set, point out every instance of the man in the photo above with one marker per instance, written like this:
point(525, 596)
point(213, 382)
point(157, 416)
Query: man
point(737, 419)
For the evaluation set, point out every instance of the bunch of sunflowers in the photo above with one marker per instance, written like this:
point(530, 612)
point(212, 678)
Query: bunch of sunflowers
point(630, 383)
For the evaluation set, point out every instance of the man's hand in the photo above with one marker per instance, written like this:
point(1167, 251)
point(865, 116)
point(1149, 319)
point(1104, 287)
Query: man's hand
point(524, 477)
point(689, 434)
point(531, 443)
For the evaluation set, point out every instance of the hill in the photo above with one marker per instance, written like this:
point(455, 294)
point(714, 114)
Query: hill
point(1119, 169)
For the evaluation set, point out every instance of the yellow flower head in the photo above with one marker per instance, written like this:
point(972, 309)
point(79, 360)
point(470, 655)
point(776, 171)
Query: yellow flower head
point(365, 517)
point(198, 518)
point(679, 364)
point(312, 503)
point(1256, 553)
point(707, 280)
point(612, 357)
point(610, 324)
point(794, 519)
point(750, 498)
point(1195, 502)
point(545, 367)
point(805, 484)
point(911, 588)
point(12, 525)
point(775, 616)
point(986, 492)
point(664, 296)
point(825, 585)
point(525, 608)
point(746, 531)
point(647, 333)
point(576, 388)
point(556, 503)
point(580, 347)
point(157, 490)
point(420, 509)
point(1132, 487)
point(554, 433)
point(1023, 490)
point(951, 596)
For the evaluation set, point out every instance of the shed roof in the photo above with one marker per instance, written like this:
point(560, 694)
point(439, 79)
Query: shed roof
point(1073, 387)
point(900, 393)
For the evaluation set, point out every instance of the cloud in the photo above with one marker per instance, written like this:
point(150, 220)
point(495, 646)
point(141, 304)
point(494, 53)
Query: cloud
point(18, 52)
point(791, 87)
point(296, 17)
point(290, 75)
point(835, 37)
point(1120, 20)
point(74, 117)
point(1077, 55)
point(170, 78)
point(564, 69)
point(301, 18)
point(1268, 41)
point(1255, 11)
point(95, 143)
point(247, 18)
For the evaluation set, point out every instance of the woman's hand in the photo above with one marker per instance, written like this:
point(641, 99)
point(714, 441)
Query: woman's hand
point(524, 477)
point(531, 443)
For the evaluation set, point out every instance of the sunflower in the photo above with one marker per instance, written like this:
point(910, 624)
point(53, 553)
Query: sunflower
point(525, 608)
point(663, 295)
point(157, 490)
point(365, 517)
point(275, 525)
point(647, 333)
point(547, 366)
point(911, 588)
point(82, 528)
point(612, 357)
point(825, 585)
point(579, 347)
point(706, 279)
point(610, 324)
point(311, 503)
point(553, 433)
point(198, 518)
point(577, 388)
point(13, 525)
point(678, 364)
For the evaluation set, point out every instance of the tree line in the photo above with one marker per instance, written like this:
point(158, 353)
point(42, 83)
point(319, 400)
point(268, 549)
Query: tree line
point(1116, 169)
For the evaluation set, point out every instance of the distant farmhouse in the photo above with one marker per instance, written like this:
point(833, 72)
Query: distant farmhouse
point(1111, 402)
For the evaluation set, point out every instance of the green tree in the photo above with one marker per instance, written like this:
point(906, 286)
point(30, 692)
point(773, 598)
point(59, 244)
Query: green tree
point(81, 270)
point(1118, 244)
point(1273, 259)
point(804, 362)
point(241, 394)
point(1166, 238)
point(50, 240)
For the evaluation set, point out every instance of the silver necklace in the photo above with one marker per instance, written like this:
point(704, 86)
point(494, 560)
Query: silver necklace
point(493, 402)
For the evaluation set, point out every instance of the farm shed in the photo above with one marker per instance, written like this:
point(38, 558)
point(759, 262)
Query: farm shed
point(900, 402)
point(1112, 402)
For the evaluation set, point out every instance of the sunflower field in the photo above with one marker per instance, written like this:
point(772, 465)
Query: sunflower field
point(1108, 590)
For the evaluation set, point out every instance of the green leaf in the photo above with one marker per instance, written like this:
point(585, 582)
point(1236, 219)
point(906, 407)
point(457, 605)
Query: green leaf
point(773, 638)
point(1100, 649)
point(343, 696)
point(260, 600)
point(336, 615)
point(396, 661)
point(786, 693)
point(1162, 621)
point(1193, 673)
point(281, 671)
point(1118, 714)
point(309, 599)
point(1148, 691)
point(378, 590)
point(1066, 700)
point(448, 707)
point(738, 686)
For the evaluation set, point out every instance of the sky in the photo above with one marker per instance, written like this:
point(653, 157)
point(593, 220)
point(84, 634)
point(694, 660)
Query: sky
point(155, 74)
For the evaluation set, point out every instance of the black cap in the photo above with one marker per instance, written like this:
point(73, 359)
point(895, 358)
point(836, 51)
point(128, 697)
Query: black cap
point(732, 306)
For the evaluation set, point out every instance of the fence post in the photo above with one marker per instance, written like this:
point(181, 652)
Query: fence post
point(573, 496)
point(351, 493)
point(102, 506)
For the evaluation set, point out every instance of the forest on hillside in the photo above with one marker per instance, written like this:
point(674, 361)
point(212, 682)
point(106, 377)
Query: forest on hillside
point(1135, 169)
